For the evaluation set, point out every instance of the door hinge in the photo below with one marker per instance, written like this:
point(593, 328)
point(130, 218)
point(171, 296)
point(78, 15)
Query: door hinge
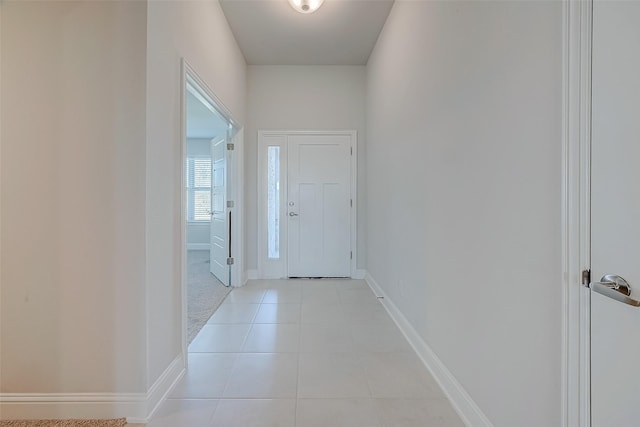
point(351, 255)
point(586, 277)
point(351, 148)
point(231, 147)
point(351, 202)
point(230, 203)
point(229, 261)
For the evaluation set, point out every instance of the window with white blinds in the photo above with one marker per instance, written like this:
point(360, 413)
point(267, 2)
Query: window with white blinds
point(198, 188)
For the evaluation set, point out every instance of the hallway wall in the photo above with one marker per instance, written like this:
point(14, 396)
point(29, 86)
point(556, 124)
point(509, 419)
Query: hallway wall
point(91, 195)
point(464, 207)
point(73, 197)
point(198, 32)
point(302, 98)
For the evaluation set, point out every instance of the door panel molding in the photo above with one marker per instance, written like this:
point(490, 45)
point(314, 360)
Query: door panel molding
point(276, 269)
point(615, 232)
point(318, 220)
point(576, 222)
point(219, 236)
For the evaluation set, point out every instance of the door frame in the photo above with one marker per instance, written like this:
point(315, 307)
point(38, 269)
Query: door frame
point(188, 76)
point(262, 200)
point(576, 202)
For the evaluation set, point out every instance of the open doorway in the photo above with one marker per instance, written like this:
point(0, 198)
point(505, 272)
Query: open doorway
point(208, 204)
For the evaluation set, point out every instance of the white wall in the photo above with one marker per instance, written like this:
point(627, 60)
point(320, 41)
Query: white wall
point(198, 235)
point(90, 250)
point(302, 98)
point(73, 197)
point(199, 147)
point(197, 31)
point(463, 201)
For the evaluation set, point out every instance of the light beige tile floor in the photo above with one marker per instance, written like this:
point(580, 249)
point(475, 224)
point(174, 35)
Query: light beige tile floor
point(304, 353)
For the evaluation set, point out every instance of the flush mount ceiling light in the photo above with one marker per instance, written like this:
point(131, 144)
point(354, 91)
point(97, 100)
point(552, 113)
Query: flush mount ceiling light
point(306, 6)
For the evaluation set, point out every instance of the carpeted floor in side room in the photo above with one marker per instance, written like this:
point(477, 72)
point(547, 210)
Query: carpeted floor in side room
point(205, 292)
point(119, 422)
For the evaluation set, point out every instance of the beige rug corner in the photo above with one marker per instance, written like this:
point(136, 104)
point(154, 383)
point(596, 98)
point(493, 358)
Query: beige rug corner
point(120, 422)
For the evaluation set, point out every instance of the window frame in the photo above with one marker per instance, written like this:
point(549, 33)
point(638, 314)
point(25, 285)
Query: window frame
point(191, 189)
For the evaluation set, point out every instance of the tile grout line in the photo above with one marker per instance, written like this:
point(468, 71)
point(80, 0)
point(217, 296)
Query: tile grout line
point(236, 360)
point(295, 410)
point(359, 353)
point(252, 324)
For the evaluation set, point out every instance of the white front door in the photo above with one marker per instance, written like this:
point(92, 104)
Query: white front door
point(219, 231)
point(615, 214)
point(319, 205)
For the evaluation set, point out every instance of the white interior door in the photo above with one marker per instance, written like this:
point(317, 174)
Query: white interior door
point(318, 206)
point(219, 231)
point(615, 216)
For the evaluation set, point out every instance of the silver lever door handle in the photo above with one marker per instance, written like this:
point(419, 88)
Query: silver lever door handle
point(614, 287)
point(293, 214)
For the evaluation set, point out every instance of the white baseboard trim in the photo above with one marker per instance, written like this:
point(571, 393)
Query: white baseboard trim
point(464, 405)
point(135, 407)
point(161, 387)
point(15, 406)
point(252, 275)
point(360, 274)
point(198, 246)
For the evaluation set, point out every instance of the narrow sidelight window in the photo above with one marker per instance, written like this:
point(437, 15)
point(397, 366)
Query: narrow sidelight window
point(273, 202)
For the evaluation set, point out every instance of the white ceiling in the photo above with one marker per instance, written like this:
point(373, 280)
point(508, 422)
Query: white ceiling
point(341, 32)
point(201, 121)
